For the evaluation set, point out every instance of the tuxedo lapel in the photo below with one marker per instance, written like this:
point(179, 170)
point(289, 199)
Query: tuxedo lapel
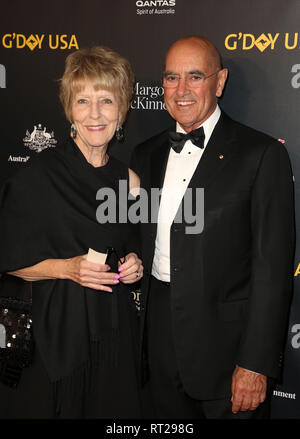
point(222, 144)
point(220, 148)
point(159, 159)
point(158, 163)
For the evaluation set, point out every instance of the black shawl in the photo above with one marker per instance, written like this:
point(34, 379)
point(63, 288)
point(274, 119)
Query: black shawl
point(48, 210)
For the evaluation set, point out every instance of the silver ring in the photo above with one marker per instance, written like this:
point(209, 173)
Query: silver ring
point(138, 274)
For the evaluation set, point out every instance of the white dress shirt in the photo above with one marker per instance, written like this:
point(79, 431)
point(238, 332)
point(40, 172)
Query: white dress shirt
point(179, 171)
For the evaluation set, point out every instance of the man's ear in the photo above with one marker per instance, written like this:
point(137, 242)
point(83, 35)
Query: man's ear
point(222, 78)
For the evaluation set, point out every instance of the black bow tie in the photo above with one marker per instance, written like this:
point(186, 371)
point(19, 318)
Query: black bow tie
point(178, 140)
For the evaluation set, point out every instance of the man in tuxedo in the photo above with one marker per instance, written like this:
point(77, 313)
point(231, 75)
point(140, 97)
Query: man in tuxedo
point(215, 302)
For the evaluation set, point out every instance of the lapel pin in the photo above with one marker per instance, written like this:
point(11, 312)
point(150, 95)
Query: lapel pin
point(221, 156)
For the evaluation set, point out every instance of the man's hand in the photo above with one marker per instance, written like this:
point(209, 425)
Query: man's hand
point(248, 389)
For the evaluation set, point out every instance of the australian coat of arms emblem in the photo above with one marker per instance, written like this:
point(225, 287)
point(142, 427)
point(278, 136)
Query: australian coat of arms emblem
point(39, 139)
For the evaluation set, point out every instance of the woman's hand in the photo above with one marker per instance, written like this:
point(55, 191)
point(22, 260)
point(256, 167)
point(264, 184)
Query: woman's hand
point(85, 273)
point(90, 275)
point(131, 270)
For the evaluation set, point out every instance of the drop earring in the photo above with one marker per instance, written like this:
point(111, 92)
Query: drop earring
point(73, 131)
point(119, 133)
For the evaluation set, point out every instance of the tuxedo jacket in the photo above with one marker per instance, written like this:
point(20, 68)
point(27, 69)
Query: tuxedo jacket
point(231, 284)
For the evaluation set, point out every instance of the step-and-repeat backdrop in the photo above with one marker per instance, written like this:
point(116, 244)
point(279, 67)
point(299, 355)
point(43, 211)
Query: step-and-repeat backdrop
point(260, 44)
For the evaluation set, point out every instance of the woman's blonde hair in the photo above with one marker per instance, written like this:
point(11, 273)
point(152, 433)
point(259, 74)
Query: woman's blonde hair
point(102, 66)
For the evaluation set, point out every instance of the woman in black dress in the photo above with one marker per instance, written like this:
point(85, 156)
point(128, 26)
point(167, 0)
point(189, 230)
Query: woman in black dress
point(84, 362)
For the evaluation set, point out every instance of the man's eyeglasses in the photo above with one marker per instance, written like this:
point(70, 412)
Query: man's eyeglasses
point(193, 79)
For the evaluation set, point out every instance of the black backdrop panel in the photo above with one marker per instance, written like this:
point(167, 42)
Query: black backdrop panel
point(259, 42)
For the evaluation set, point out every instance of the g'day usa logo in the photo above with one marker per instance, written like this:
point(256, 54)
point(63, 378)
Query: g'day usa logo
point(39, 41)
point(262, 42)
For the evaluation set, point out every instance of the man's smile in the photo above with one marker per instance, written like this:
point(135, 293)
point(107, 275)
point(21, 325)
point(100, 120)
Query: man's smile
point(184, 103)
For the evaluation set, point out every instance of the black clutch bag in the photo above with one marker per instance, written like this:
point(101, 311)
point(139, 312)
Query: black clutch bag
point(16, 340)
